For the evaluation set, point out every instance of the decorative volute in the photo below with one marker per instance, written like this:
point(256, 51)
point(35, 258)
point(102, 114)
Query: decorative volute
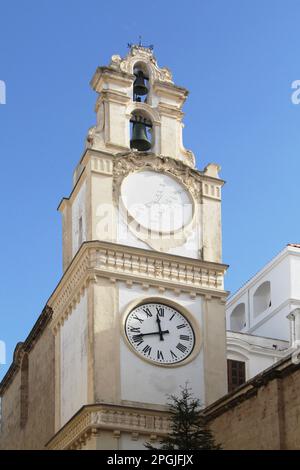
point(116, 106)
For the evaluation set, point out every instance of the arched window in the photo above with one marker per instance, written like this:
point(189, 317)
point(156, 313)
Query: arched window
point(24, 390)
point(238, 318)
point(262, 298)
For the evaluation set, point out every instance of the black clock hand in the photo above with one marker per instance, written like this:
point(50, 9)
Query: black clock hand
point(153, 333)
point(159, 328)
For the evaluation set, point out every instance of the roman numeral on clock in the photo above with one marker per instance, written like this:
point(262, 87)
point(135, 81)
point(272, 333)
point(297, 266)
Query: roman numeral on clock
point(181, 326)
point(147, 350)
point(184, 337)
point(138, 339)
point(181, 347)
point(134, 329)
point(173, 355)
point(160, 311)
point(138, 318)
point(160, 355)
point(147, 312)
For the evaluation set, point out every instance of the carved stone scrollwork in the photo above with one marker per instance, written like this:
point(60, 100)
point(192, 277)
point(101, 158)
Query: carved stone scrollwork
point(144, 54)
point(130, 162)
point(190, 157)
point(90, 137)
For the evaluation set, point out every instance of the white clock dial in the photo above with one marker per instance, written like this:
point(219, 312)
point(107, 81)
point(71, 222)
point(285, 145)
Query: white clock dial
point(160, 333)
point(157, 201)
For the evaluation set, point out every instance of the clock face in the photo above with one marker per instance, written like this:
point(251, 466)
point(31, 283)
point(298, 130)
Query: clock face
point(157, 201)
point(160, 333)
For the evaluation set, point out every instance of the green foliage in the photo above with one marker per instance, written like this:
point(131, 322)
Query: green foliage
point(188, 431)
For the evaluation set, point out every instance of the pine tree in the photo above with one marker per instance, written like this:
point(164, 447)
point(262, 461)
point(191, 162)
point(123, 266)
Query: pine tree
point(188, 431)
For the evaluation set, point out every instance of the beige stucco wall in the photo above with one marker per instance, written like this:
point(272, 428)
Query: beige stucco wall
point(40, 424)
point(215, 366)
point(212, 230)
point(106, 360)
point(74, 361)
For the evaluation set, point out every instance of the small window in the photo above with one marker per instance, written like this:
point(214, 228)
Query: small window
point(238, 318)
point(236, 373)
point(262, 298)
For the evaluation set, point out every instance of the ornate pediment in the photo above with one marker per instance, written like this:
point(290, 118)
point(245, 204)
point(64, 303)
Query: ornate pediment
point(128, 162)
point(143, 54)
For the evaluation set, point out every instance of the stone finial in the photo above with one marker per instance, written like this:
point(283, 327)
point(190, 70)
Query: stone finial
point(212, 169)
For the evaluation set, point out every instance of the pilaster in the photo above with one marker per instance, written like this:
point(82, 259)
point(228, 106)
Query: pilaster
point(215, 365)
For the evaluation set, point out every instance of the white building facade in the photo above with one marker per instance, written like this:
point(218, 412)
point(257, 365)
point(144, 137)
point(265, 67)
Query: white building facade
point(262, 316)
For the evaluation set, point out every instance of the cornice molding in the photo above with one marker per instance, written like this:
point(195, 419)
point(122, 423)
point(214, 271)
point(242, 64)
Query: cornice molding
point(92, 419)
point(236, 345)
point(114, 96)
point(168, 89)
point(109, 74)
point(169, 110)
point(99, 259)
point(142, 265)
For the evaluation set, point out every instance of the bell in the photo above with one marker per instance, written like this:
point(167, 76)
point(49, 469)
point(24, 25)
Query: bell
point(139, 138)
point(139, 87)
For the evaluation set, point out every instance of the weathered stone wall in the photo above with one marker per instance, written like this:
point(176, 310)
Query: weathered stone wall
point(263, 414)
point(39, 427)
point(291, 411)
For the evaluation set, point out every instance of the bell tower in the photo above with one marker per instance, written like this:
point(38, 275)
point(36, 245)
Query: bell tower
point(136, 86)
point(140, 308)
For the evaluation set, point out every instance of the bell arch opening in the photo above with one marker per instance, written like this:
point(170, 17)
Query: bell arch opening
point(141, 85)
point(143, 67)
point(141, 131)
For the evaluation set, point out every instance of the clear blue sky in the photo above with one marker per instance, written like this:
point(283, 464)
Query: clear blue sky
point(238, 58)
